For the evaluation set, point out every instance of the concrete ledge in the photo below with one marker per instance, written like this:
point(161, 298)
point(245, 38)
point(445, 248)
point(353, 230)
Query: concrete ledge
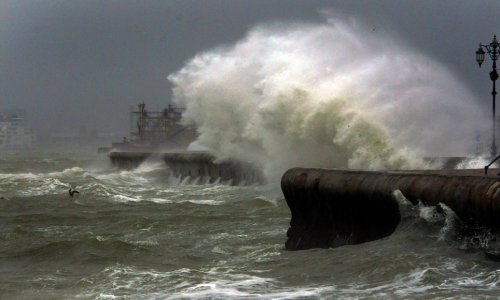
point(336, 207)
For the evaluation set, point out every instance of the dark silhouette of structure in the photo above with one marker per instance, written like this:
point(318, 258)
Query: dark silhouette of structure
point(493, 50)
point(153, 130)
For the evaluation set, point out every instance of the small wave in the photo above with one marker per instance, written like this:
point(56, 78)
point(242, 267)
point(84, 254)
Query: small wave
point(160, 200)
point(225, 284)
point(37, 184)
point(30, 175)
point(123, 198)
point(107, 190)
point(264, 201)
point(145, 174)
point(485, 281)
point(14, 176)
point(414, 283)
point(100, 189)
point(187, 283)
point(409, 211)
point(442, 223)
point(28, 185)
point(120, 280)
point(203, 202)
point(123, 177)
point(66, 172)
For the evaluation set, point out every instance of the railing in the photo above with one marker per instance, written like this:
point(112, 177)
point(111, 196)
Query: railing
point(486, 167)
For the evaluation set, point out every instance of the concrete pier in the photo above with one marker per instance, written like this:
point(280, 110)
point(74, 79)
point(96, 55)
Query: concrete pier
point(194, 165)
point(333, 207)
point(128, 160)
point(205, 166)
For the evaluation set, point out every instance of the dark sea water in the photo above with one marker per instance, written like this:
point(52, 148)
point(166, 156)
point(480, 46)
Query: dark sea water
point(144, 235)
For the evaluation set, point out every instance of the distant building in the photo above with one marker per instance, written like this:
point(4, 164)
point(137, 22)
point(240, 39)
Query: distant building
point(15, 134)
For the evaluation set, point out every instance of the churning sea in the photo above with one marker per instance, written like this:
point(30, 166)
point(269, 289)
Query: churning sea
point(144, 234)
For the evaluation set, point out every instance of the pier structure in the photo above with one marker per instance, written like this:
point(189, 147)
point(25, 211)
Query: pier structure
point(162, 135)
point(156, 131)
point(193, 164)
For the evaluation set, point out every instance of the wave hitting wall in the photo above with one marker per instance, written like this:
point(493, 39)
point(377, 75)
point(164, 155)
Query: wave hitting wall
point(334, 94)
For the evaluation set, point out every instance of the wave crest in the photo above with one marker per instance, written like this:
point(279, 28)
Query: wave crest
point(323, 95)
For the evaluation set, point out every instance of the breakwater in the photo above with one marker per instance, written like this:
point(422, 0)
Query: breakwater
point(336, 207)
point(205, 166)
point(128, 160)
point(200, 166)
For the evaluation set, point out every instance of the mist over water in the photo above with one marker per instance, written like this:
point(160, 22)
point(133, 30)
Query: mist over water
point(335, 94)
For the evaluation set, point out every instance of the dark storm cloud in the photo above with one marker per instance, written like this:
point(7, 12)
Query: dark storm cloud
point(74, 63)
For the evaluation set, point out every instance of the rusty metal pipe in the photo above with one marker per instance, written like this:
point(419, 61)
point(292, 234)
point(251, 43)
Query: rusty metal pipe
point(332, 207)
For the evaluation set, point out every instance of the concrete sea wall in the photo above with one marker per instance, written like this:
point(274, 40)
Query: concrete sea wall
point(128, 160)
point(205, 166)
point(336, 207)
point(202, 165)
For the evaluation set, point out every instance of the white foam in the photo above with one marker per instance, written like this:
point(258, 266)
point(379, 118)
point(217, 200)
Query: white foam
point(204, 202)
point(66, 172)
point(34, 185)
point(430, 213)
point(123, 198)
point(185, 180)
point(401, 199)
point(243, 286)
point(226, 283)
point(450, 222)
point(150, 165)
point(473, 163)
point(337, 96)
point(160, 200)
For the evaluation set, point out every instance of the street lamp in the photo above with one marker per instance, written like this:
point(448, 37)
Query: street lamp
point(493, 50)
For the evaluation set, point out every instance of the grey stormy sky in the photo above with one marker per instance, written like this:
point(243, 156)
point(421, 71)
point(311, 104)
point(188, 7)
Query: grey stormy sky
point(75, 63)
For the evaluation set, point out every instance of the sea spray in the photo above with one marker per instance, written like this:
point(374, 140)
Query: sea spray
point(324, 95)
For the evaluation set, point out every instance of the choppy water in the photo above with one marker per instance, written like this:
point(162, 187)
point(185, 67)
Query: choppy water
point(143, 235)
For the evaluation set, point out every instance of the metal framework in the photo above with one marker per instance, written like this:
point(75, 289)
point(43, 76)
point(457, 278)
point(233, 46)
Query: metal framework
point(157, 127)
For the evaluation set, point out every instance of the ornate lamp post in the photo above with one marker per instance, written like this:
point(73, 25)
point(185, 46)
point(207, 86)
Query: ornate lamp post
point(493, 49)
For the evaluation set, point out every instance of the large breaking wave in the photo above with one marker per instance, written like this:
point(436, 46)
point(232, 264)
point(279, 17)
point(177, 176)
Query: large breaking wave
point(325, 95)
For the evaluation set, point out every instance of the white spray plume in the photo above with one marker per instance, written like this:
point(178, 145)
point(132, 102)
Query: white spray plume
point(324, 95)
